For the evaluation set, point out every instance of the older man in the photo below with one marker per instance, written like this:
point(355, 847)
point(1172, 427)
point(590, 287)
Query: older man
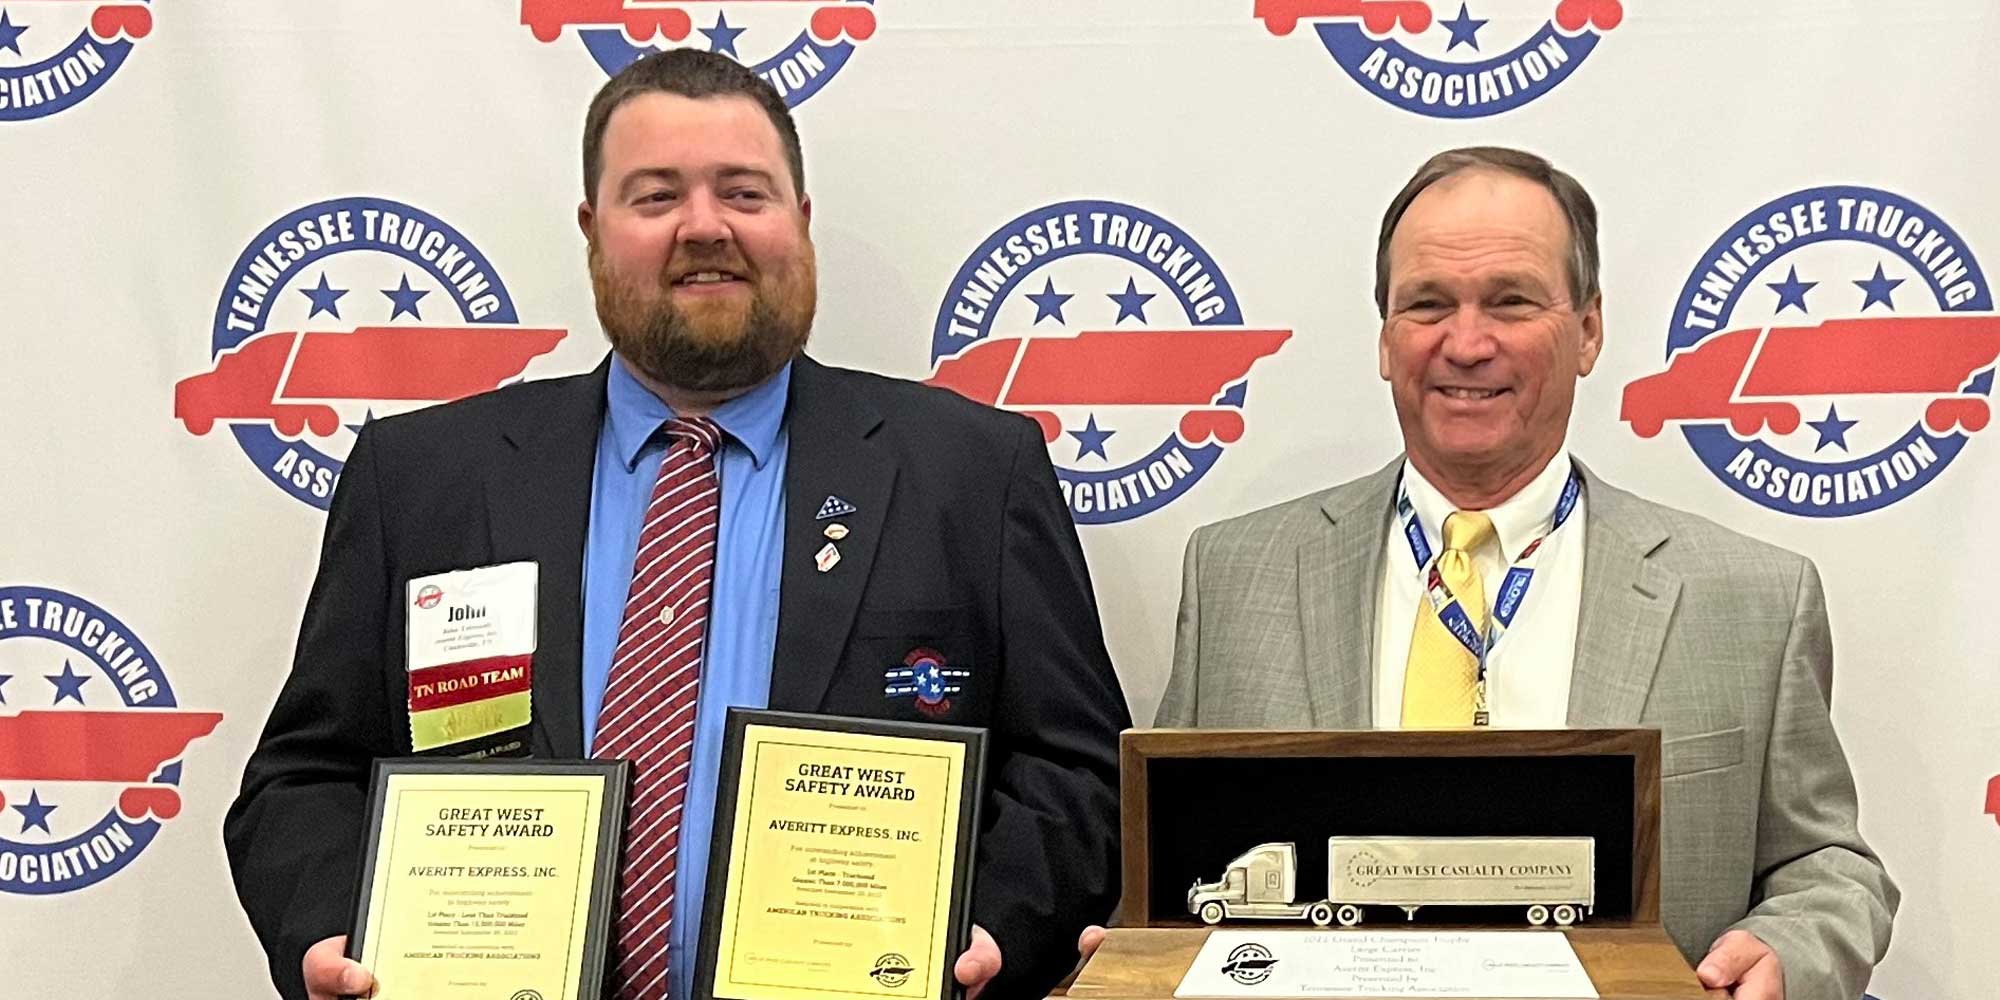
point(714, 520)
point(1324, 612)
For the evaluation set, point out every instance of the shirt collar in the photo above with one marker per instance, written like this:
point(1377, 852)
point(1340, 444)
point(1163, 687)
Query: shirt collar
point(1517, 520)
point(751, 420)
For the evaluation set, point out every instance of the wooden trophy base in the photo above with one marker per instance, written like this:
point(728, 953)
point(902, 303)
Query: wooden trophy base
point(1625, 962)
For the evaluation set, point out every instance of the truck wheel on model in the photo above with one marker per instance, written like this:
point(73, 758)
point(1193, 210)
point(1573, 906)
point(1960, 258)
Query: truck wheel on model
point(1321, 914)
point(1348, 915)
point(1211, 913)
point(1565, 915)
point(1538, 915)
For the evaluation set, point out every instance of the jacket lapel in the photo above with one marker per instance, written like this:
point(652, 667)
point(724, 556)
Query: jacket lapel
point(1340, 571)
point(1628, 601)
point(830, 455)
point(538, 506)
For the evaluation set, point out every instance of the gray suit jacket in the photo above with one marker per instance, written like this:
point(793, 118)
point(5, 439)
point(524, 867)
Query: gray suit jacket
point(1718, 640)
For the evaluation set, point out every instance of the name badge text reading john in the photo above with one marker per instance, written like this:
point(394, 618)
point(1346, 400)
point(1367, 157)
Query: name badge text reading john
point(470, 658)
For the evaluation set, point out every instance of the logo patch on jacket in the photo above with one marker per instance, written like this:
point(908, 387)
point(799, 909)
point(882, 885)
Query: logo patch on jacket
point(925, 677)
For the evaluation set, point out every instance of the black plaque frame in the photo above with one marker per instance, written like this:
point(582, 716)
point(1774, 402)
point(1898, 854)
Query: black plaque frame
point(971, 795)
point(616, 777)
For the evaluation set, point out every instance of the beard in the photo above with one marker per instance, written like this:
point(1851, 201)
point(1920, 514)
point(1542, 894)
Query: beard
point(719, 346)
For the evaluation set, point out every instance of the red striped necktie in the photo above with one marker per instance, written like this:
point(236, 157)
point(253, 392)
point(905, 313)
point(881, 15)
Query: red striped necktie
point(649, 697)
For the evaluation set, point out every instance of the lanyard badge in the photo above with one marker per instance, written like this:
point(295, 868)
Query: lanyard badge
point(1513, 587)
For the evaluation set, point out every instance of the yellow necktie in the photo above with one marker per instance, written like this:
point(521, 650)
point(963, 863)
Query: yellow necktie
point(1441, 681)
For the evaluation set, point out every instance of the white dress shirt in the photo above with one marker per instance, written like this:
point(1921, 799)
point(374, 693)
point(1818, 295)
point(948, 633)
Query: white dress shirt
point(1527, 674)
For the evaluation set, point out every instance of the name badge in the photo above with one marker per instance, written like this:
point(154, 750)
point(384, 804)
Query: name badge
point(470, 649)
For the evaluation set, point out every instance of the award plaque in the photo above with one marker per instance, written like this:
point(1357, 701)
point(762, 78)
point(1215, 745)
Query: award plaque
point(491, 879)
point(1544, 826)
point(841, 865)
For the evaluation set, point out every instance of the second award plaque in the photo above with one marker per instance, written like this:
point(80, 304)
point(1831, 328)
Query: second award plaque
point(489, 879)
point(842, 859)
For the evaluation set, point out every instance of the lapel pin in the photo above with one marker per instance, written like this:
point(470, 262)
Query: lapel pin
point(836, 531)
point(833, 506)
point(827, 558)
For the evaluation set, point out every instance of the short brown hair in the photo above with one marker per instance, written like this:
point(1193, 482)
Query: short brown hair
point(689, 73)
point(1578, 210)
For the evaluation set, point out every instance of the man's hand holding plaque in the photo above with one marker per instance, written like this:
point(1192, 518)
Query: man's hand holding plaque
point(329, 974)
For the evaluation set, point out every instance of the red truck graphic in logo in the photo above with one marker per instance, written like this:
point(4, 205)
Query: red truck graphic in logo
point(127, 748)
point(1993, 798)
point(546, 19)
point(1751, 377)
point(1189, 369)
point(289, 380)
point(1382, 16)
point(1378, 16)
point(112, 20)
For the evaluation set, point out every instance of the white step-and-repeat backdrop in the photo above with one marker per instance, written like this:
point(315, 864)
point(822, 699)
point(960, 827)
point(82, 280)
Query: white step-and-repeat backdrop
point(214, 215)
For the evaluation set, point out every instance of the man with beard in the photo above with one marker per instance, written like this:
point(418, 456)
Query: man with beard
point(713, 520)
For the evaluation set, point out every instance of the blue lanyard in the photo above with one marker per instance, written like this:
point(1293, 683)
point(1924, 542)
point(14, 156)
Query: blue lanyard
point(1513, 587)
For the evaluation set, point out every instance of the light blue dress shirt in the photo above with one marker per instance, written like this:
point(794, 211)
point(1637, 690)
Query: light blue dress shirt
point(743, 600)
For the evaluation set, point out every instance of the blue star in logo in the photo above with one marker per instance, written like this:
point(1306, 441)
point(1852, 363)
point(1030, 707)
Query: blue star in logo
point(34, 813)
point(69, 684)
point(10, 33)
point(323, 298)
point(722, 37)
point(1464, 30)
point(1877, 289)
point(1049, 302)
point(365, 419)
point(1090, 440)
point(4, 678)
point(402, 298)
point(930, 682)
point(1832, 430)
point(1131, 302)
point(1791, 291)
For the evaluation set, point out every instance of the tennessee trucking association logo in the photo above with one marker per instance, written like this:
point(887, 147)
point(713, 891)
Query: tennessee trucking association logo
point(797, 46)
point(1831, 353)
point(342, 311)
point(70, 50)
point(91, 740)
point(1119, 335)
point(1464, 66)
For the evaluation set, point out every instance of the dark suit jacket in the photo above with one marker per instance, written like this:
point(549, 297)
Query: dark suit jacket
point(960, 542)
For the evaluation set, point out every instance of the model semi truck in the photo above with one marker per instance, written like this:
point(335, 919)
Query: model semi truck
point(1550, 878)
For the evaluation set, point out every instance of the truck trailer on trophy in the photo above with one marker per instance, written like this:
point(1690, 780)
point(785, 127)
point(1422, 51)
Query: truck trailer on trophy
point(1550, 878)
